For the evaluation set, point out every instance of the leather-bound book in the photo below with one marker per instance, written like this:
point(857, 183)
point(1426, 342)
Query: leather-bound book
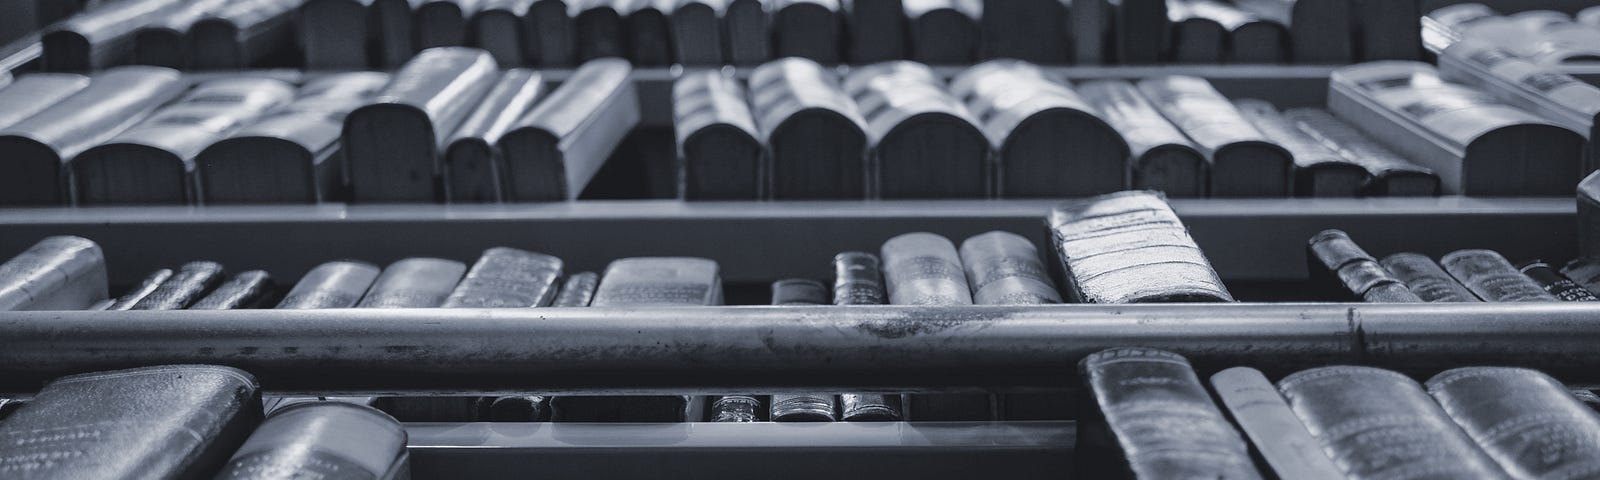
point(498, 28)
point(474, 170)
point(1024, 112)
point(736, 409)
point(814, 133)
point(1004, 268)
point(1542, 88)
point(877, 30)
point(577, 291)
point(801, 407)
point(57, 273)
point(1194, 38)
point(749, 32)
point(720, 155)
point(1244, 163)
point(1426, 278)
point(246, 290)
point(1585, 271)
point(554, 150)
point(600, 30)
point(392, 144)
point(99, 37)
point(1161, 157)
point(1378, 424)
point(1250, 38)
point(338, 284)
point(507, 278)
point(1389, 174)
point(192, 281)
point(322, 440)
point(154, 162)
point(176, 421)
point(1148, 417)
point(1028, 30)
point(1321, 32)
point(697, 32)
point(925, 269)
point(520, 408)
point(810, 29)
point(443, 23)
point(1129, 247)
point(1529, 423)
point(858, 280)
point(145, 287)
point(1319, 171)
point(553, 34)
point(396, 25)
point(163, 42)
point(1140, 28)
point(335, 35)
point(35, 150)
point(943, 32)
point(926, 144)
point(1276, 435)
point(1089, 27)
point(33, 93)
point(1384, 29)
point(244, 34)
point(1492, 277)
point(1338, 261)
point(1556, 284)
point(413, 283)
point(648, 31)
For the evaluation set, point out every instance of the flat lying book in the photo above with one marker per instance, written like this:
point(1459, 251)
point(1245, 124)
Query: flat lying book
point(1028, 30)
point(100, 37)
point(162, 43)
point(58, 273)
point(1130, 247)
point(243, 34)
point(183, 288)
point(394, 19)
point(1385, 31)
point(749, 32)
point(442, 23)
point(720, 156)
point(926, 144)
point(925, 269)
point(33, 93)
point(246, 290)
point(507, 278)
point(801, 407)
point(1140, 27)
point(1250, 38)
point(552, 35)
point(144, 288)
point(554, 150)
point(945, 32)
point(1194, 38)
point(1244, 163)
point(497, 27)
point(1556, 284)
point(1322, 31)
point(1004, 268)
point(808, 29)
point(335, 35)
point(877, 30)
point(1161, 157)
point(599, 29)
point(697, 32)
point(1493, 278)
point(577, 291)
point(1275, 434)
point(1426, 278)
point(1521, 82)
point(322, 440)
point(1319, 171)
point(1338, 261)
point(1527, 421)
point(858, 280)
point(474, 170)
point(414, 283)
point(815, 135)
point(649, 31)
point(1389, 174)
point(331, 285)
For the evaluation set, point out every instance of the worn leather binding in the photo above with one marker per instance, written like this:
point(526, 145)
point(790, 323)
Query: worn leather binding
point(331, 285)
point(392, 144)
point(944, 32)
point(442, 23)
point(246, 290)
point(1129, 247)
point(808, 29)
point(475, 171)
point(858, 280)
point(1389, 174)
point(1194, 38)
point(1089, 30)
point(1320, 31)
point(648, 30)
point(35, 149)
point(1427, 279)
point(877, 30)
point(413, 283)
point(814, 133)
point(57, 273)
point(1526, 421)
point(1140, 27)
point(333, 440)
point(162, 43)
point(926, 144)
point(334, 34)
point(1003, 268)
point(1338, 261)
point(1024, 113)
point(507, 278)
point(154, 162)
point(550, 38)
point(145, 287)
point(749, 32)
point(924, 269)
point(33, 93)
point(801, 407)
point(1250, 38)
point(1244, 163)
point(1275, 434)
point(183, 288)
point(1148, 416)
point(599, 28)
point(99, 37)
point(736, 409)
point(554, 150)
point(1493, 278)
point(697, 32)
point(719, 154)
point(243, 34)
point(1385, 31)
point(1161, 157)
point(394, 19)
point(497, 28)
point(577, 291)
point(1319, 170)
point(1560, 286)
point(1028, 30)
point(1537, 87)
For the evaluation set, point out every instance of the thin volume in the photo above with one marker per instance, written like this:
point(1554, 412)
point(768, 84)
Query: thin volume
point(413, 283)
point(474, 170)
point(1004, 268)
point(599, 29)
point(1140, 27)
point(698, 33)
point(331, 285)
point(925, 269)
point(507, 278)
point(1130, 247)
point(1426, 278)
point(1319, 170)
point(577, 291)
point(858, 280)
point(925, 142)
point(1274, 432)
point(322, 440)
point(1337, 259)
point(1493, 278)
point(335, 34)
point(815, 135)
point(245, 290)
point(163, 43)
point(145, 287)
point(801, 407)
point(946, 32)
point(1560, 286)
point(1028, 30)
point(719, 151)
point(749, 32)
point(191, 282)
point(809, 29)
point(552, 39)
point(100, 37)
point(554, 150)
point(57, 273)
point(1161, 157)
point(877, 30)
point(498, 28)
point(394, 21)
point(1525, 420)
point(1194, 38)
point(1244, 163)
point(1391, 175)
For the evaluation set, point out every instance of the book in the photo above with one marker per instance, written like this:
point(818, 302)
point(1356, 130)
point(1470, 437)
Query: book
point(1244, 163)
point(520, 408)
point(1249, 37)
point(1376, 423)
point(858, 280)
point(392, 144)
point(697, 32)
point(145, 287)
point(1129, 247)
point(1136, 397)
point(924, 269)
point(244, 34)
point(1384, 29)
point(98, 38)
point(1028, 30)
point(553, 36)
point(577, 291)
point(497, 27)
point(1462, 134)
point(175, 421)
point(1556, 284)
point(395, 22)
point(1446, 25)
point(736, 409)
point(720, 155)
point(554, 150)
point(648, 31)
point(869, 407)
point(474, 170)
point(1089, 27)
point(335, 34)
point(1161, 157)
point(189, 284)
point(442, 23)
point(1337, 261)
point(36, 149)
point(33, 93)
point(413, 283)
point(1024, 112)
point(925, 142)
point(1529, 423)
point(1492, 277)
point(943, 32)
point(801, 407)
point(815, 135)
point(57, 273)
point(1275, 434)
point(1324, 31)
point(1140, 30)
point(1521, 82)
point(507, 278)
point(339, 284)
point(809, 29)
point(877, 30)
point(749, 32)
point(1426, 278)
point(1004, 268)
point(246, 290)
point(599, 29)
point(1389, 174)
point(1319, 171)
point(322, 440)
point(1585, 271)
point(1193, 38)
point(163, 42)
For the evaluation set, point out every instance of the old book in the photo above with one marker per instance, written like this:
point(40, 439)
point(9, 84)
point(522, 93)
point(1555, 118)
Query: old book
point(1319, 171)
point(554, 150)
point(392, 144)
point(1140, 28)
point(1526, 421)
point(520, 408)
point(925, 142)
point(698, 33)
point(1323, 31)
point(474, 170)
point(801, 407)
point(394, 19)
point(1446, 25)
point(336, 35)
point(1521, 82)
point(99, 37)
point(413, 283)
point(944, 32)
point(338, 284)
point(1028, 30)
point(183, 288)
point(736, 409)
point(1250, 38)
point(1338, 261)
point(1130, 247)
point(553, 35)
point(1127, 430)
point(244, 34)
point(649, 31)
point(869, 407)
point(1089, 27)
point(163, 42)
point(858, 280)
point(810, 29)
point(1585, 271)
point(1004, 268)
point(1389, 174)
point(145, 287)
point(877, 30)
point(1556, 284)
point(719, 151)
point(925, 269)
point(1426, 278)
point(1244, 163)
point(36, 149)
point(1385, 31)
point(30, 94)
point(749, 40)
point(1275, 434)
point(599, 29)
point(57, 273)
point(815, 135)
point(507, 278)
point(177, 421)
point(1024, 113)
point(577, 291)
point(1193, 38)
point(1161, 157)
point(799, 291)
point(1461, 133)
point(442, 23)
point(497, 27)
point(246, 290)
point(322, 440)
point(1492, 278)
point(1376, 423)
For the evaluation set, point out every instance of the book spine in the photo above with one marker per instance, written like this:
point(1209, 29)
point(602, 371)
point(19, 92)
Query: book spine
point(507, 278)
point(143, 289)
point(1557, 285)
point(1130, 247)
point(1526, 421)
point(413, 283)
point(1273, 430)
point(1493, 278)
point(192, 280)
point(1003, 268)
point(327, 440)
point(1427, 279)
point(858, 280)
point(736, 409)
point(245, 290)
point(865, 407)
point(801, 407)
point(331, 285)
point(797, 88)
point(1359, 273)
point(924, 269)
point(577, 291)
point(58, 273)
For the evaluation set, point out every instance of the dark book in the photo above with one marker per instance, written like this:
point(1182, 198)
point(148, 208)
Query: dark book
point(1161, 157)
point(1389, 174)
point(1556, 284)
point(877, 30)
point(474, 170)
point(552, 36)
point(1585, 271)
point(648, 30)
point(1336, 261)
point(1322, 31)
point(1376, 423)
point(1244, 163)
point(392, 144)
point(553, 151)
point(799, 291)
point(58, 273)
point(1140, 28)
point(33, 93)
point(336, 34)
point(1138, 399)
point(1028, 30)
point(1250, 38)
point(244, 34)
point(809, 29)
point(507, 278)
point(1004, 268)
point(498, 28)
point(858, 280)
point(1541, 87)
point(1276, 436)
point(577, 291)
point(394, 21)
point(183, 288)
point(1492, 278)
point(600, 30)
point(1426, 278)
point(1319, 171)
point(925, 142)
point(246, 290)
point(331, 285)
point(801, 407)
point(322, 440)
point(177, 421)
point(736, 409)
point(413, 283)
point(1089, 25)
point(145, 287)
point(720, 154)
point(163, 42)
point(815, 136)
point(154, 162)
point(36, 149)
point(925, 269)
point(100, 37)
point(1024, 113)
point(943, 32)
point(1193, 38)
point(520, 408)
point(1528, 422)
point(749, 40)
point(697, 32)
point(1384, 29)
point(1130, 247)
point(442, 23)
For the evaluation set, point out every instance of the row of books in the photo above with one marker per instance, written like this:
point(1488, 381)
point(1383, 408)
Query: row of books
point(1339, 265)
